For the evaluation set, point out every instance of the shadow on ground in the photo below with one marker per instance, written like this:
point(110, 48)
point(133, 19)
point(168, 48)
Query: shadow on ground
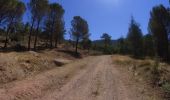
point(72, 53)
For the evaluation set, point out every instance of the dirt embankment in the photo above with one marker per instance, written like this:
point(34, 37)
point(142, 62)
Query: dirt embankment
point(19, 65)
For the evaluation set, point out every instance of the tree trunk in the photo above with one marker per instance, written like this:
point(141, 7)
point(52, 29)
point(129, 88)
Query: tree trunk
point(36, 36)
point(77, 41)
point(73, 44)
point(52, 31)
point(105, 46)
point(51, 40)
point(8, 30)
point(56, 43)
point(167, 48)
point(30, 34)
point(166, 54)
point(6, 37)
point(88, 49)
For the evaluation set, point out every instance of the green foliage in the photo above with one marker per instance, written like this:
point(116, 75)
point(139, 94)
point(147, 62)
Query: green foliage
point(157, 26)
point(42, 14)
point(39, 10)
point(166, 88)
point(18, 32)
point(15, 37)
point(121, 46)
point(148, 45)
point(14, 16)
point(156, 75)
point(79, 27)
point(79, 30)
point(8, 8)
point(86, 43)
point(101, 48)
point(55, 23)
point(134, 39)
point(106, 39)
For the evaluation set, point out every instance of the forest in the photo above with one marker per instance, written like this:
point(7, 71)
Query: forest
point(46, 29)
point(46, 24)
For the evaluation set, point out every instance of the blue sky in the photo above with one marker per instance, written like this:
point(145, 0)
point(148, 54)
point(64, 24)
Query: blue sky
point(110, 16)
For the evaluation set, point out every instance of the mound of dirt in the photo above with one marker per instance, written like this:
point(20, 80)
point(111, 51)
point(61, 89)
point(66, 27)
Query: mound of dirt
point(18, 65)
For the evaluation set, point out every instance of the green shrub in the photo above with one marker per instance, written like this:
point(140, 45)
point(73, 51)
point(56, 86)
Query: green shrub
point(166, 88)
point(156, 75)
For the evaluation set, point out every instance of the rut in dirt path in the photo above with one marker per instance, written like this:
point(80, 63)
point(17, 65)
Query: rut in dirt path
point(100, 81)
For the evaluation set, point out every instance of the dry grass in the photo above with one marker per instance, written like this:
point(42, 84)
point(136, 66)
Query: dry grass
point(144, 70)
point(16, 66)
point(139, 67)
point(143, 67)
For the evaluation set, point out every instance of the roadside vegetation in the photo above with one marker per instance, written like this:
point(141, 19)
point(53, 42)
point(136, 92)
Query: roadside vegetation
point(150, 71)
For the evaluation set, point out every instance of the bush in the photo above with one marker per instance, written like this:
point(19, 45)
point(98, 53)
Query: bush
point(101, 48)
point(18, 47)
point(156, 75)
point(166, 88)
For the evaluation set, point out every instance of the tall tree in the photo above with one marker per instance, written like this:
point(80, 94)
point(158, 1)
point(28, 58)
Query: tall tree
point(158, 28)
point(148, 45)
point(134, 39)
point(14, 16)
point(17, 32)
point(41, 7)
point(5, 7)
point(26, 28)
point(121, 46)
point(79, 29)
point(59, 32)
point(55, 23)
point(32, 8)
point(38, 10)
point(86, 42)
point(106, 39)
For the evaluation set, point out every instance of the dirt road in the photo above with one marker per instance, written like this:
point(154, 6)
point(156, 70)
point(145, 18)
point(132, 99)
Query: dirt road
point(92, 78)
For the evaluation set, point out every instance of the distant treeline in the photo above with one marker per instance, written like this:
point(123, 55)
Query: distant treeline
point(155, 43)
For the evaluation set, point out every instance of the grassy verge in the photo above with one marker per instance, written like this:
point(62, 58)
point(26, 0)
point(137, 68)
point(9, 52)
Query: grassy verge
point(155, 73)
